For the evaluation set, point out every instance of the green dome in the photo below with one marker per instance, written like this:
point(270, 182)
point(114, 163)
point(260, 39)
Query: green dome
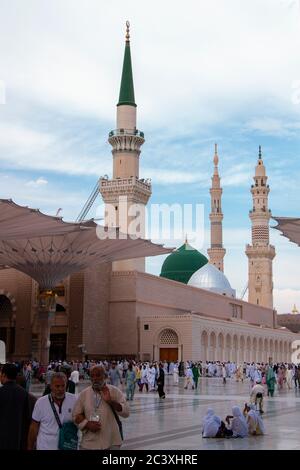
point(183, 263)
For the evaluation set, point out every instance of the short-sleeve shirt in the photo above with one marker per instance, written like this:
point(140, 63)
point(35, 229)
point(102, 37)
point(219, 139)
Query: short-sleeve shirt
point(47, 438)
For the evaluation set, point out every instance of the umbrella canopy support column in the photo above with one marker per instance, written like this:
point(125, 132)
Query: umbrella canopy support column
point(46, 310)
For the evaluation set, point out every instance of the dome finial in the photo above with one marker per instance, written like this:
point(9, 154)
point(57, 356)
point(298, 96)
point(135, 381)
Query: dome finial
point(127, 31)
point(216, 157)
point(186, 239)
point(295, 311)
point(259, 152)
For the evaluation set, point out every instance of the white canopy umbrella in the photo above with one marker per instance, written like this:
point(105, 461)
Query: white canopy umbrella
point(24, 222)
point(48, 250)
point(289, 228)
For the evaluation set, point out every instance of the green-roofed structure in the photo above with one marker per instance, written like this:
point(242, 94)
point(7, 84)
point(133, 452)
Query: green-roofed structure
point(183, 263)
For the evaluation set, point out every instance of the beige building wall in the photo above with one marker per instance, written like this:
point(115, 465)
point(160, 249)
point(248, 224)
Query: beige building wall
point(206, 324)
point(75, 316)
point(206, 339)
point(95, 322)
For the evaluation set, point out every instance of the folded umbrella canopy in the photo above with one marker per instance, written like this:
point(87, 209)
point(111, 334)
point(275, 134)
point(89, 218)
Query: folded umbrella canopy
point(24, 222)
point(48, 249)
point(289, 228)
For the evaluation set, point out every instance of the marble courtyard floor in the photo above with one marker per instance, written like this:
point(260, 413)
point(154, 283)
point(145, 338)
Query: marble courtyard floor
point(175, 423)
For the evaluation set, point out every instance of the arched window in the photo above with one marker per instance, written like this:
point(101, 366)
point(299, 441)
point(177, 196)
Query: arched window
point(168, 336)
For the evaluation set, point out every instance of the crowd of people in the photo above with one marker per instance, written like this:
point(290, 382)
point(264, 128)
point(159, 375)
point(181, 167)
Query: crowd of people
point(60, 420)
point(90, 419)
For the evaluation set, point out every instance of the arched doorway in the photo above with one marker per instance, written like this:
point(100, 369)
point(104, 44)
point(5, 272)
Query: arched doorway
point(235, 350)
point(254, 350)
point(58, 334)
point(248, 349)
point(242, 350)
point(220, 355)
point(204, 345)
point(168, 345)
point(271, 351)
point(7, 324)
point(266, 350)
point(228, 348)
point(261, 350)
point(212, 346)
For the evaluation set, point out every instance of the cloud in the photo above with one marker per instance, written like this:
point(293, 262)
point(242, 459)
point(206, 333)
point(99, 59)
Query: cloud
point(62, 66)
point(273, 127)
point(37, 183)
point(25, 148)
point(166, 177)
point(21, 140)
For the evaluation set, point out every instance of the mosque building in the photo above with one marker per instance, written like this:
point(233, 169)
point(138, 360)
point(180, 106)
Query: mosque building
point(118, 310)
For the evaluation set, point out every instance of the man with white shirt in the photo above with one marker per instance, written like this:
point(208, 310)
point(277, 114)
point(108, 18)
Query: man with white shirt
point(44, 428)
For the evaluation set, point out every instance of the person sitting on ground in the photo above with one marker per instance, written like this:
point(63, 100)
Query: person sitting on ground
point(223, 431)
point(254, 420)
point(209, 414)
point(211, 424)
point(237, 423)
point(257, 395)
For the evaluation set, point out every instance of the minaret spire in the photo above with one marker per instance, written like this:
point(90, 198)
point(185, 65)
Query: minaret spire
point(216, 252)
point(126, 96)
point(260, 253)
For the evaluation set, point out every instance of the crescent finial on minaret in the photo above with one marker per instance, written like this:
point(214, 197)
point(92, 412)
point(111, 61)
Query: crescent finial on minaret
point(259, 152)
point(127, 31)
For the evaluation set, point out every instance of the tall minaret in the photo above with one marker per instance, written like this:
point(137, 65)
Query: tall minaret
point(125, 195)
point(216, 252)
point(260, 253)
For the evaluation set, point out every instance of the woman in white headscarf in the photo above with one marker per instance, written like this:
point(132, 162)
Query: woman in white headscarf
point(238, 424)
point(255, 423)
point(211, 424)
point(209, 414)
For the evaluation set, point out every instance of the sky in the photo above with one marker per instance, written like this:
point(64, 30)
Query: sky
point(225, 71)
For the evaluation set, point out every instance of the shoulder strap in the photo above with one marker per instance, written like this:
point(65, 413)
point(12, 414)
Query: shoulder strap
point(55, 412)
point(118, 421)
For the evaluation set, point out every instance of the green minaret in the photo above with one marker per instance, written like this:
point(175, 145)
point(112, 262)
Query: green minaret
point(127, 90)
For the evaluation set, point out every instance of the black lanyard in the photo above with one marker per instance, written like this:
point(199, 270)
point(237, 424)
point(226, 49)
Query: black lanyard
point(55, 412)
